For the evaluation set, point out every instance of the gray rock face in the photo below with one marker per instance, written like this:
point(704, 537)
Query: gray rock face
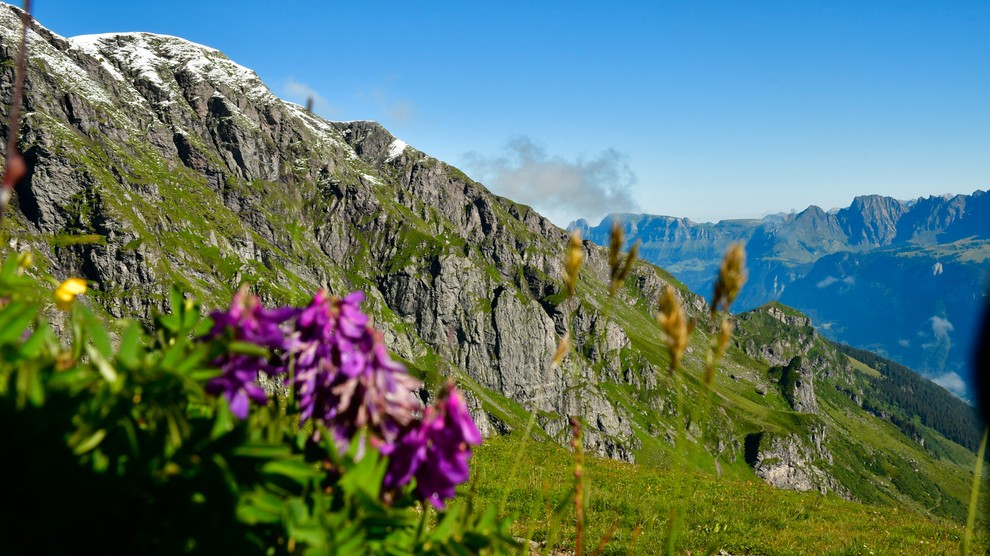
point(798, 385)
point(790, 461)
point(164, 161)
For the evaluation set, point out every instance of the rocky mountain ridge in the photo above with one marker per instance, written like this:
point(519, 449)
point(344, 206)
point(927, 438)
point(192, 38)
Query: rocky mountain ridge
point(154, 161)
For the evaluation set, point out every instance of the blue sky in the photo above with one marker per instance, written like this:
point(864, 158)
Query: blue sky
point(708, 110)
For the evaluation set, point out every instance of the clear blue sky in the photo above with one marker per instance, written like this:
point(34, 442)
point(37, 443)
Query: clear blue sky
point(708, 110)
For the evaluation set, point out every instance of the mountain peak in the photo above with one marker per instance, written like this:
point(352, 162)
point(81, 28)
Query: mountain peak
point(872, 219)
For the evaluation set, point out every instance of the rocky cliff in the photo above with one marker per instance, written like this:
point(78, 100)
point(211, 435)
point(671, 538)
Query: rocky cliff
point(155, 161)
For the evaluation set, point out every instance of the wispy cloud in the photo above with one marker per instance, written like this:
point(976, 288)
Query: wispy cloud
point(560, 189)
point(941, 327)
point(951, 382)
point(829, 280)
point(300, 93)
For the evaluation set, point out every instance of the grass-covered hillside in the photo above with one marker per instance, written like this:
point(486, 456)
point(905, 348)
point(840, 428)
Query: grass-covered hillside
point(156, 162)
point(630, 506)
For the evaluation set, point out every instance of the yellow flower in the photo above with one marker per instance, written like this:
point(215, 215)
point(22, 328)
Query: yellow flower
point(67, 291)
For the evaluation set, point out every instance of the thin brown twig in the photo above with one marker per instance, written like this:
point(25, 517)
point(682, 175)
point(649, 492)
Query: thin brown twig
point(15, 168)
point(577, 443)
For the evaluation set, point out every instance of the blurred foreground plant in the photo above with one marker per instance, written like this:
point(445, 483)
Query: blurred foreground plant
point(167, 444)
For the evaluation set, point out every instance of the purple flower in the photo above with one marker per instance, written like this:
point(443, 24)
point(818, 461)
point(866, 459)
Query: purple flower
point(237, 383)
point(436, 452)
point(247, 321)
point(344, 377)
point(250, 322)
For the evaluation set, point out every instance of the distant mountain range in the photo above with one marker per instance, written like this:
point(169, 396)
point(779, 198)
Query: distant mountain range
point(906, 279)
point(154, 162)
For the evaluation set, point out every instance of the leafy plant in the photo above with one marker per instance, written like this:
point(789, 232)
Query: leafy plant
point(159, 440)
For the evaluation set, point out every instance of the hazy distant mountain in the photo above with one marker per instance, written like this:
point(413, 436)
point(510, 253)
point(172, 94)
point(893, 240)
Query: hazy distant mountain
point(903, 278)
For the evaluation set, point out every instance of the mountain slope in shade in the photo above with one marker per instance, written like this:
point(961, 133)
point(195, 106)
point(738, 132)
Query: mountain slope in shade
point(156, 161)
point(906, 279)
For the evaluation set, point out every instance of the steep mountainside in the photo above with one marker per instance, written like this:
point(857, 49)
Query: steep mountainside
point(156, 161)
point(905, 279)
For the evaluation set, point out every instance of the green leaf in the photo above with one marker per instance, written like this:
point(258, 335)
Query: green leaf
point(175, 353)
point(130, 343)
point(263, 451)
point(97, 332)
point(202, 375)
point(193, 359)
point(131, 432)
point(354, 541)
point(42, 337)
point(224, 421)
point(190, 314)
point(228, 475)
point(176, 298)
point(298, 470)
point(106, 369)
point(443, 529)
point(36, 389)
point(29, 386)
point(10, 266)
point(259, 507)
point(14, 320)
point(202, 327)
point(247, 348)
point(90, 442)
point(366, 476)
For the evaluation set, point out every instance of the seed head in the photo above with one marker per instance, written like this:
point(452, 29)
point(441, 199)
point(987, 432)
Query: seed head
point(616, 239)
point(724, 335)
point(619, 269)
point(674, 326)
point(731, 277)
point(563, 348)
point(572, 262)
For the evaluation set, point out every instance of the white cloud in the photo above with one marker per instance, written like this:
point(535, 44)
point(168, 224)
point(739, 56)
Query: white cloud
point(300, 93)
point(904, 343)
point(941, 327)
point(951, 382)
point(828, 281)
point(560, 189)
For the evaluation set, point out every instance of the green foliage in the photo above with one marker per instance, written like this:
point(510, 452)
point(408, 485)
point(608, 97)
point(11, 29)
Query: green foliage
point(905, 396)
point(112, 446)
point(630, 505)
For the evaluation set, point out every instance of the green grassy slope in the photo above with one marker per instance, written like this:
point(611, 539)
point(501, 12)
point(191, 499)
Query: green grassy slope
point(632, 503)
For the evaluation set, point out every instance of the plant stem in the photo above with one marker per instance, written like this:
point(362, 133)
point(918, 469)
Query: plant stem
point(974, 494)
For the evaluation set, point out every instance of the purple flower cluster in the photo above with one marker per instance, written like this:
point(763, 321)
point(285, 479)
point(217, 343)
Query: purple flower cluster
point(344, 377)
point(247, 321)
point(345, 380)
point(436, 452)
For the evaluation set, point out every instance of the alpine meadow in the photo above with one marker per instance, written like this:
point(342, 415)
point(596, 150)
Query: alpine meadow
point(230, 325)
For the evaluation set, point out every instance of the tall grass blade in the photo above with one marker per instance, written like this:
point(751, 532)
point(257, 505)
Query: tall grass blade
point(974, 495)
